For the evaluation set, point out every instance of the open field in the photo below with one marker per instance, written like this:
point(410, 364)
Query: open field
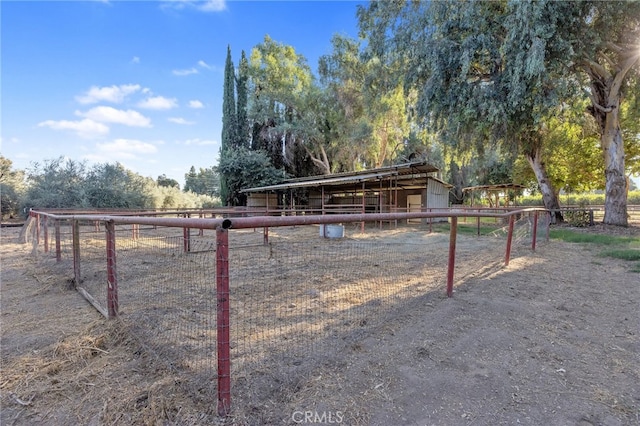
point(552, 338)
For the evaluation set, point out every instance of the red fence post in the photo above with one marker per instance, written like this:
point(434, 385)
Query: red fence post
point(535, 231)
point(224, 354)
point(453, 233)
point(45, 226)
point(186, 232)
point(507, 255)
point(76, 251)
point(112, 279)
point(58, 250)
point(265, 235)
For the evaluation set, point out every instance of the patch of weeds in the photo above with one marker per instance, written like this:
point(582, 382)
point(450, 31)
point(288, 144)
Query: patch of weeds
point(624, 254)
point(624, 248)
point(583, 237)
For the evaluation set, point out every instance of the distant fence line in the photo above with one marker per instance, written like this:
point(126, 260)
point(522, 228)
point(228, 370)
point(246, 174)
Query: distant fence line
point(127, 269)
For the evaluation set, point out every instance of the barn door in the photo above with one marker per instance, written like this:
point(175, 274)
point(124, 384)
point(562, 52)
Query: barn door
point(414, 204)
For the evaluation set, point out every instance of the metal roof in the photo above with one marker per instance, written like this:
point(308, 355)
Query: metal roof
point(405, 171)
point(496, 187)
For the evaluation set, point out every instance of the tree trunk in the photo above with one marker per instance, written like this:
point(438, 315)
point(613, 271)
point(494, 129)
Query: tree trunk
point(549, 195)
point(615, 199)
point(605, 96)
point(607, 117)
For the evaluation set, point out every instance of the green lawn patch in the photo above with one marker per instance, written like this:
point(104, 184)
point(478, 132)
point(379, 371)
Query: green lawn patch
point(624, 254)
point(583, 237)
point(625, 248)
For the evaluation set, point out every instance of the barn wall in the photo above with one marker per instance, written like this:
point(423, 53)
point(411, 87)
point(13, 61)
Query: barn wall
point(259, 200)
point(437, 196)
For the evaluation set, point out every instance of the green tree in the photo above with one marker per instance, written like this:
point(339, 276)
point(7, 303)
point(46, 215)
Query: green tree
point(248, 169)
point(242, 121)
point(163, 180)
point(12, 187)
point(56, 183)
point(603, 45)
point(280, 83)
point(513, 62)
point(114, 186)
point(473, 70)
point(229, 121)
point(206, 181)
point(369, 122)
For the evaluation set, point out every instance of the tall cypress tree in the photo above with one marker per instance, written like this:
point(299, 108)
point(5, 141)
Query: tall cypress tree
point(229, 126)
point(241, 107)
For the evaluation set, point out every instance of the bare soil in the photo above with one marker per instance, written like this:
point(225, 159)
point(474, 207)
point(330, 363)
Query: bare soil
point(553, 338)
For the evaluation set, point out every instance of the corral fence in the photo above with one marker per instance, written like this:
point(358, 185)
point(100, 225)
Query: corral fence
point(200, 298)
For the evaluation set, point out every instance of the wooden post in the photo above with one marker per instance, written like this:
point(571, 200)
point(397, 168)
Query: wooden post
point(45, 225)
point(76, 252)
point(112, 279)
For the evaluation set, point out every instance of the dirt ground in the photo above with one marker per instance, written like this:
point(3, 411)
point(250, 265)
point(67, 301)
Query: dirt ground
point(554, 338)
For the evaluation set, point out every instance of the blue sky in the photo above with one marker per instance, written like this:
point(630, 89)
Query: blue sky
point(138, 82)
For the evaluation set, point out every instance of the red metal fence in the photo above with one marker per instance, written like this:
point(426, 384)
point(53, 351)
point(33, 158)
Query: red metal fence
point(163, 279)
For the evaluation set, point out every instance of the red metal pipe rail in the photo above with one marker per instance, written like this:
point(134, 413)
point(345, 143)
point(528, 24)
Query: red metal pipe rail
point(222, 256)
point(273, 221)
point(223, 321)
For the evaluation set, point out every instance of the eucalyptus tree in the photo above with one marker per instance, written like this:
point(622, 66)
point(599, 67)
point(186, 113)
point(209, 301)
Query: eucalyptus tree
point(372, 124)
point(507, 65)
point(342, 75)
point(462, 57)
point(604, 41)
point(280, 81)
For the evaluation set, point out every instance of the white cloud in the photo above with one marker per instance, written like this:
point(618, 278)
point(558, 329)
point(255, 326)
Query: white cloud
point(182, 73)
point(158, 102)
point(212, 6)
point(12, 140)
point(180, 120)
point(196, 104)
point(135, 60)
point(105, 114)
point(203, 64)
point(204, 6)
point(86, 128)
point(199, 142)
point(122, 149)
point(114, 94)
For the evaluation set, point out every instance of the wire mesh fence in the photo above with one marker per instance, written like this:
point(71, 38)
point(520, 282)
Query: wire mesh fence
point(296, 299)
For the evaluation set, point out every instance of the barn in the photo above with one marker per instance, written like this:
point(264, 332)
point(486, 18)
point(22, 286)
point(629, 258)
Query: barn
point(404, 187)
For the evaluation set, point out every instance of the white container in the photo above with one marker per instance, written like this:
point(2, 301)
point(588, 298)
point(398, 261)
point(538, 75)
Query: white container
point(332, 230)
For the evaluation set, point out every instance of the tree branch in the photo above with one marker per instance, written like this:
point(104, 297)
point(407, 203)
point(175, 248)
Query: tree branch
point(600, 107)
point(595, 68)
point(624, 69)
point(324, 166)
